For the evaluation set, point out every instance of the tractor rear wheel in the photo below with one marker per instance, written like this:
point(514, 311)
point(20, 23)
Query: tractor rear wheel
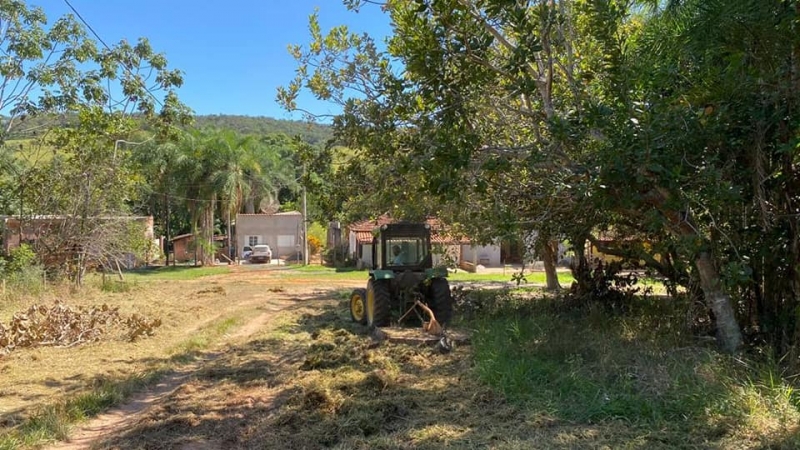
point(440, 301)
point(358, 306)
point(378, 303)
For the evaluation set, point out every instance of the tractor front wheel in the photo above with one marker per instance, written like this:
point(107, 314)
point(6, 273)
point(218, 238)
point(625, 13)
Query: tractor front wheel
point(358, 306)
point(379, 300)
point(440, 301)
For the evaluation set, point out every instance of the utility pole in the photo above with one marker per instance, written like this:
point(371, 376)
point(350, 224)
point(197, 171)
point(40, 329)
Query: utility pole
point(305, 221)
point(166, 229)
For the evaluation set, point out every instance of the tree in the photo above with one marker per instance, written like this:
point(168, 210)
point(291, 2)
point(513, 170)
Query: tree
point(673, 124)
point(79, 172)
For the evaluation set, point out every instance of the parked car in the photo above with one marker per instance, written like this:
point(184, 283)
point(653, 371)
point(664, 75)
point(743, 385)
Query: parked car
point(246, 252)
point(261, 254)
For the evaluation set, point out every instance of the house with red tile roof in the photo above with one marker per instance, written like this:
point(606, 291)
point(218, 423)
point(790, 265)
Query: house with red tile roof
point(447, 248)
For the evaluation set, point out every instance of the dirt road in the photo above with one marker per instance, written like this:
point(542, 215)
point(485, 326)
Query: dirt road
point(224, 377)
point(295, 373)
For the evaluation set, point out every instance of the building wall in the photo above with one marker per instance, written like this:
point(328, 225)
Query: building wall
point(485, 255)
point(366, 255)
point(282, 232)
point(180, 248)
point(34, 227)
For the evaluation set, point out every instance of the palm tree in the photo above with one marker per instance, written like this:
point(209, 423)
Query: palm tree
point(274, 156)
point(237, 167)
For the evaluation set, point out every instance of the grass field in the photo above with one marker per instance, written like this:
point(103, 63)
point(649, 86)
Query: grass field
point(277, 363)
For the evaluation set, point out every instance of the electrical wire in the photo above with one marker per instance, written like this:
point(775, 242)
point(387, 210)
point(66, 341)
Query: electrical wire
point(97, 36)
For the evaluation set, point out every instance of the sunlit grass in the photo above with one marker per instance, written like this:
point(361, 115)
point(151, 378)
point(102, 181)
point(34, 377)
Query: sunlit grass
point(589, 366)
point(201, 340)
point(174, 273)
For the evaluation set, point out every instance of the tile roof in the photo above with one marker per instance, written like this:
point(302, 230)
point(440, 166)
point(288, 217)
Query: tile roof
point(285, 213)
point(363, 237)
point(363, 231)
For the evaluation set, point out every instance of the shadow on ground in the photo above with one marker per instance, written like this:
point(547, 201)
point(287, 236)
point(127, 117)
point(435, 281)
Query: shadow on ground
point(317, 380)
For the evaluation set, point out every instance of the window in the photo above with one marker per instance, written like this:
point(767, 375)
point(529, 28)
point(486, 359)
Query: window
point(252, 241)
point(405, 251)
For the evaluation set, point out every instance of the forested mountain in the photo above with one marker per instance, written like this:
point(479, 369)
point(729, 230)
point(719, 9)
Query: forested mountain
point(311, 133)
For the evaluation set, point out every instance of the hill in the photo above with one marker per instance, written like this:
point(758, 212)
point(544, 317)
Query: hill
point(33, 127)
point(311, 133)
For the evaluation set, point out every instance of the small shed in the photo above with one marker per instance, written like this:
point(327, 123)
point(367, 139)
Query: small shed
point(184, 249)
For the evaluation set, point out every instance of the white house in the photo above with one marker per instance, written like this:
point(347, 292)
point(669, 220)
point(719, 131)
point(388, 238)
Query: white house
point(283, 232)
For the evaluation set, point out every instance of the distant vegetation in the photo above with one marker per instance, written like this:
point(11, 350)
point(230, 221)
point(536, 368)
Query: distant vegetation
point(311, 133)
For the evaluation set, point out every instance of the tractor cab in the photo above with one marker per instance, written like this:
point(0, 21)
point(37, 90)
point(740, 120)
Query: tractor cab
point(402, 246)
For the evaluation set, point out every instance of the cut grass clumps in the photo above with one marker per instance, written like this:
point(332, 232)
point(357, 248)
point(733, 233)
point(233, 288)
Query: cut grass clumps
point(588, 366)
point(331, 349)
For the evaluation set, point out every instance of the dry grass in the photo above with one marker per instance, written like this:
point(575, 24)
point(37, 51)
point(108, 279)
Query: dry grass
point(314, 380)
point(197, 315)
point(286, 369)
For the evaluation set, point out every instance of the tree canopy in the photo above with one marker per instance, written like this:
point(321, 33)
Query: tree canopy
point(669, 125)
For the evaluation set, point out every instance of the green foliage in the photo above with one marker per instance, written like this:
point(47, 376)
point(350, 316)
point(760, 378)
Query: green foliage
point(22, 272)
point(315, 134)
point(19, 259)
point(87, 101)
point(672, 128)
point(204, 177)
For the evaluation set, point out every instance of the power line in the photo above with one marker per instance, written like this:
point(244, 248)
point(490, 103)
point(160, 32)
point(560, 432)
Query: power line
point(87, 24)
point(97, 36)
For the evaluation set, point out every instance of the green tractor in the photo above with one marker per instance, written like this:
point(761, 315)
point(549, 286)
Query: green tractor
point(402, 273)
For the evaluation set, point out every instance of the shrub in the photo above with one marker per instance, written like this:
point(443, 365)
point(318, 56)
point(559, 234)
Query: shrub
point(21, 271)
point(314, 245)
point(604, 284)
point(20, 258)
point(337, 256)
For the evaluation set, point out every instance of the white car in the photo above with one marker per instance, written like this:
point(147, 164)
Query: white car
point(261, 254)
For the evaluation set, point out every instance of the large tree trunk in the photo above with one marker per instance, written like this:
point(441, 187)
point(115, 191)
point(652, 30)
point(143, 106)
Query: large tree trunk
point(549, 251)
point(729, 336)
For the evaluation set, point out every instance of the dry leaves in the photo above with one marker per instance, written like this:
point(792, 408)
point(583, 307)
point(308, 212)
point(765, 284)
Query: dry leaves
point(64, 326)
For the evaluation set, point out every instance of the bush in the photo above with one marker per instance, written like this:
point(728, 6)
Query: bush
point(21, 271)
point(314, 245)
point(338, 256)
point(604, 283)
point(587, 365)
point(19, 258)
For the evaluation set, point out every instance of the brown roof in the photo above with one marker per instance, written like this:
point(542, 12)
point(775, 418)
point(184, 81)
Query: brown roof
point(363, 237)
point(285, 213)
point(368, 224)
point(363, 231)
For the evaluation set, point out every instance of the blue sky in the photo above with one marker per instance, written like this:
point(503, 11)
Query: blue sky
point(233, 53)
